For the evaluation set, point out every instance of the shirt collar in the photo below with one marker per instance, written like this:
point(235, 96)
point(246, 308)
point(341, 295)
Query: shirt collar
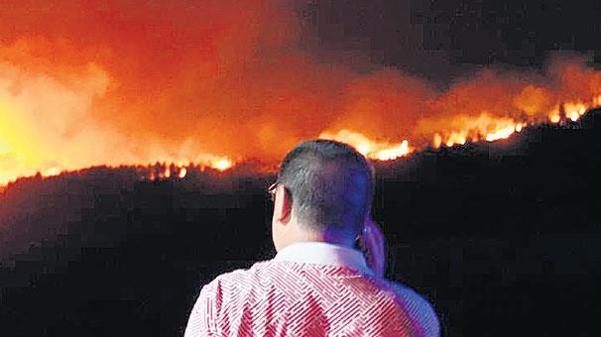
point(323, 253)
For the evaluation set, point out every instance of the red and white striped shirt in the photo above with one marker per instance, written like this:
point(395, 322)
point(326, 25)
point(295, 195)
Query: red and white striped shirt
point(310, 289)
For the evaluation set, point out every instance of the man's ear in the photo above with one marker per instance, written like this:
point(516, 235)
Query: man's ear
point(283, 204)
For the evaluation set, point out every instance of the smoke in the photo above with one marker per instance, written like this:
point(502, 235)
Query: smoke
point(95, 82)
point(44, 123)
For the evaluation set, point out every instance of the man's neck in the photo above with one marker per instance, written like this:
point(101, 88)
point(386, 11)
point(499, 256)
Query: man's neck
point(327, 237)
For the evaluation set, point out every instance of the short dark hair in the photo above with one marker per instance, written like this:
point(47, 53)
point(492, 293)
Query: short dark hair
point(331, 185)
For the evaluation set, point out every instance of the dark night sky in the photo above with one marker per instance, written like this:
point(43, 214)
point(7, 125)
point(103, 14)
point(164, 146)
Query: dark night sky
point(442, 39)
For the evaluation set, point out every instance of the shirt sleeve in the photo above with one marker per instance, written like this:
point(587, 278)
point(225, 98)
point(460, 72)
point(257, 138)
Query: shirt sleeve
point(203, 318)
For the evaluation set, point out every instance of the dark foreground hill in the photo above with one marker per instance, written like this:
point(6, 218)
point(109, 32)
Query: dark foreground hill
point(503, 238)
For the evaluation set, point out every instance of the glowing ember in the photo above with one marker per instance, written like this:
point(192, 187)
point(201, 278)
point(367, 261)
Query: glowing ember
point(53, 171)
point(501, 133)
point(370, 148)
point(573, 111)
point(222, 164)
point(392, 153)
point(555, 116)
point(437, 141)
point(456, 138)
point(519, 127)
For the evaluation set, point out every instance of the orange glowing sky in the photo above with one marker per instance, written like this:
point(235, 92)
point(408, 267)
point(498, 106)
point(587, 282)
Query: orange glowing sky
point(86, 83)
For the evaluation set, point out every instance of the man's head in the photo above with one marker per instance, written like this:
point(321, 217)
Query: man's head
point(323, 193)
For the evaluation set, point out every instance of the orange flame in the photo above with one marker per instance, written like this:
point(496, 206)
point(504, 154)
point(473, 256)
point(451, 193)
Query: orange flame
point(555, 115)
point(370, 148)
point(222, 164)
point(484, 127)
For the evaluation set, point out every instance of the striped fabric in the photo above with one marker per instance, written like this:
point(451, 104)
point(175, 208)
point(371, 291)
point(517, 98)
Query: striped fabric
point(310, 289)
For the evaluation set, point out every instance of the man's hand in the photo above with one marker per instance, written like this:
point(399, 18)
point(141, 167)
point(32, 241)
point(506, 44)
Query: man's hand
point(373, 244)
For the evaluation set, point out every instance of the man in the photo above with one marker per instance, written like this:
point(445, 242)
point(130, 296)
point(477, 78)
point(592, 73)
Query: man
point(318, 284)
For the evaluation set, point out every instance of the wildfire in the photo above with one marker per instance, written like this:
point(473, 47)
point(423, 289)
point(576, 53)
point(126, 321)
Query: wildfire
point(482, 128)
point(370, 148)
point(180, 171)
point(132, 85)
point(485, 127)
point(164, 171)
point(489, 128)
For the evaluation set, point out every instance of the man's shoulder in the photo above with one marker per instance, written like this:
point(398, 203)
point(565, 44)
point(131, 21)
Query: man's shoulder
point(408, 295)
point(415, 305)
point(240, 277)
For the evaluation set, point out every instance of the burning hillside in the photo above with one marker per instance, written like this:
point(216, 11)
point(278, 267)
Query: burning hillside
point(485, 228)
point(220, 82)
